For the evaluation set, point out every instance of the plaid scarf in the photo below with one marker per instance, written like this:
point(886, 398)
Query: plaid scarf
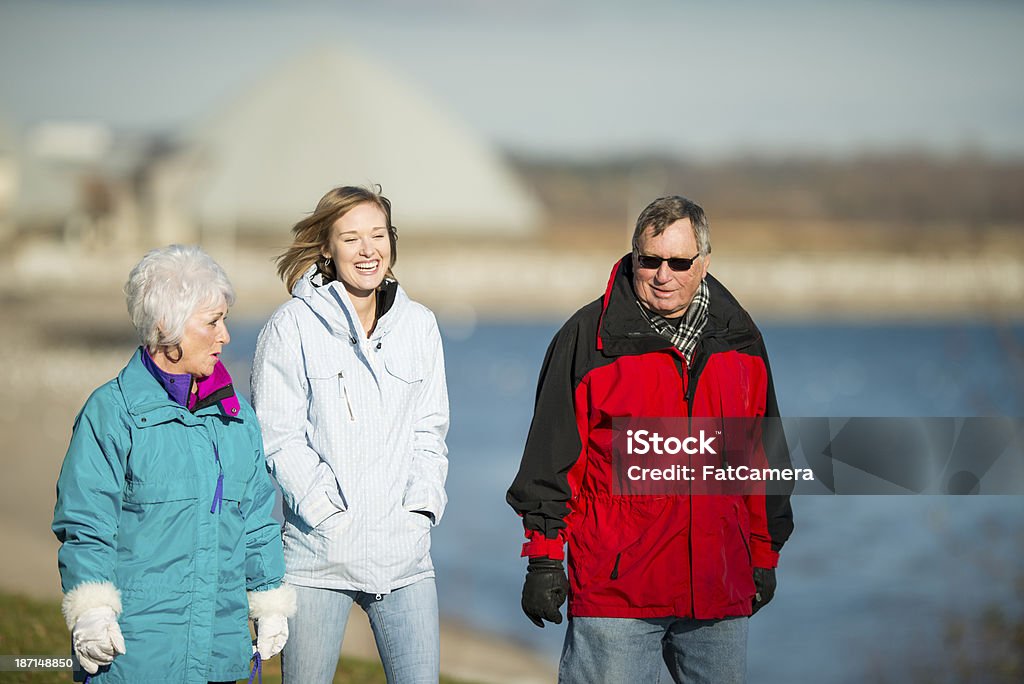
point(683, 332)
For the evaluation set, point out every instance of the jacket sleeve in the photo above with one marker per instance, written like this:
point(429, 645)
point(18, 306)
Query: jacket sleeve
point(89, 492)
point(771, 516)
point(542, 488)
point(264, 555)
point(279, 395)
point(425, 489)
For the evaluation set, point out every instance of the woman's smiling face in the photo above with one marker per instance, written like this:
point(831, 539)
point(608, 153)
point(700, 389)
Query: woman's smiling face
point(360, 248)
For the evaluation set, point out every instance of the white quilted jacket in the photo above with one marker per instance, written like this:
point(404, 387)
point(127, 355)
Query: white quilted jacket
point(354, 432)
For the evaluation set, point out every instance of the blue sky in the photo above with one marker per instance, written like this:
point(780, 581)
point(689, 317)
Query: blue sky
point(558, 78)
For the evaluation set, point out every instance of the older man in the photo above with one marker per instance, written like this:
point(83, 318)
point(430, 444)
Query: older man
point(650, 577)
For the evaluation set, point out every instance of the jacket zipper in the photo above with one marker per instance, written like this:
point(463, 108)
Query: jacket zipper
point(218, 494)
point(745, 544)
point(344, 393)
point(689, 383)
point(700, 362)
point(615, 570)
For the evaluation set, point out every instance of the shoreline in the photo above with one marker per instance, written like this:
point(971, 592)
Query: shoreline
point(488, 282)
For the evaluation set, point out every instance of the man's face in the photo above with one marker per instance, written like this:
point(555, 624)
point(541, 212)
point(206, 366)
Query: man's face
point(662, 290)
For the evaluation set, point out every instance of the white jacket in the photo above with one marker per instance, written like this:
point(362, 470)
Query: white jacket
point(354, 430)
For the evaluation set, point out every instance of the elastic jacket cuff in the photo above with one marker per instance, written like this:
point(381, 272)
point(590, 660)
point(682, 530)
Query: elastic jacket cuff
point(318, 506)
point(540, 545)
point(280, 601)
point(89, 595)
point(424, 497)
point(763, 556)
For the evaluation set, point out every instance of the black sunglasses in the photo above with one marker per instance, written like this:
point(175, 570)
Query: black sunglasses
point(676, 264)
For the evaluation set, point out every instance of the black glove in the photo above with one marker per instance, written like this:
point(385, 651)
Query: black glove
point(545, 590)
point(764, 582)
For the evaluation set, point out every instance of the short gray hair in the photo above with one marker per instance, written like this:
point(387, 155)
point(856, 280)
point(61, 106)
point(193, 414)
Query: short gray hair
point(167, 286)
point(664, 211)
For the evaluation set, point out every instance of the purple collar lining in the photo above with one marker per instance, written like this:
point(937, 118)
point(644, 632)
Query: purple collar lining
point(177, 386)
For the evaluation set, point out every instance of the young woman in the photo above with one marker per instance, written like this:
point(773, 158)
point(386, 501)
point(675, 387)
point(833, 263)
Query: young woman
point(349, 387)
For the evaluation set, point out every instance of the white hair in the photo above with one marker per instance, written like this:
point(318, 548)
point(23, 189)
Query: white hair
point(167, 286)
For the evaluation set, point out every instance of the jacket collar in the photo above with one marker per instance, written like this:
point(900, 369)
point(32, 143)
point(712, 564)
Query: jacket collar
point(177, 385)
point(216, 388)
point(149, 403)
point(623, 330)
point(330, 302)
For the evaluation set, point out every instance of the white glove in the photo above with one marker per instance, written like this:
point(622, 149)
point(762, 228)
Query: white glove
point(271, 635)
point(96, 638)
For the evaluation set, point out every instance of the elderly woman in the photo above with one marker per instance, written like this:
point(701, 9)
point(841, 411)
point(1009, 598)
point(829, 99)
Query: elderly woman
point(164, 501)
point(349, 386)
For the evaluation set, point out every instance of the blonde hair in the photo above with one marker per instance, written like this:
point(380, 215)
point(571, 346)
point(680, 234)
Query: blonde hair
point(313, 233)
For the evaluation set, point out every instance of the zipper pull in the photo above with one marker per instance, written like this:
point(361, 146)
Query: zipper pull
point(348, 405)
point(218, 493)
point(343, 392)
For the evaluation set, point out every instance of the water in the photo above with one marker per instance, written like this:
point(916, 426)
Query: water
point(867, 585)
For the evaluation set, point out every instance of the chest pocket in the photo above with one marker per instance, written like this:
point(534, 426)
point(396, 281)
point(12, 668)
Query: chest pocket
point(405, 369)
point(330, 396)
point(157, 534)
point(160, 492)
point(403, 380)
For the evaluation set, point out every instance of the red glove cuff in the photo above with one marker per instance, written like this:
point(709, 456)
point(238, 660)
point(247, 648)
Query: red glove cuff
point(763, 556)
point(539, 545)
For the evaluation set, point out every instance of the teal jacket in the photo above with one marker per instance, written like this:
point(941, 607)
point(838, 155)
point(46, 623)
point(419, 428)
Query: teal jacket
point(134, 502)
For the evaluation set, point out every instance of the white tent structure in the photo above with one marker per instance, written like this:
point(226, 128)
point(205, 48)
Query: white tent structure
point(331, 118)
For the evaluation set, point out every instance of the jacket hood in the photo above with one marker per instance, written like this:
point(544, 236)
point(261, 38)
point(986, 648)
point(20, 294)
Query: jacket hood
point(331, 304)
point(623, 329)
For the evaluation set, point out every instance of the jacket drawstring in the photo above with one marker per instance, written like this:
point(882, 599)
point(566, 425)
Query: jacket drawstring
point(218, 494)
point(257, 668)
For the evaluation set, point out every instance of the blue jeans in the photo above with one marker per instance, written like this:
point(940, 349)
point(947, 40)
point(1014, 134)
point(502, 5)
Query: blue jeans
point(626, 650)
point(404, 623)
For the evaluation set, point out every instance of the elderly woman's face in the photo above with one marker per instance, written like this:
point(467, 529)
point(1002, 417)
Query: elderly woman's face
point(360, 248)
point(206, 333)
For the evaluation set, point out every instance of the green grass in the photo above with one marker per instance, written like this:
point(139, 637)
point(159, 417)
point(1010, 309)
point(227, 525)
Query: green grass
point(33, 627)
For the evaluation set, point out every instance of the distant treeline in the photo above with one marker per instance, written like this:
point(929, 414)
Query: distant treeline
point(897, 188)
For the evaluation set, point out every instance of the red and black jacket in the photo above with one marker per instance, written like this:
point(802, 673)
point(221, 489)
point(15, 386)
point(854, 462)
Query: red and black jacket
point(647, 556)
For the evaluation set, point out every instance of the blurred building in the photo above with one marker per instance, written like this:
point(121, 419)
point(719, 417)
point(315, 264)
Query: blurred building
point(252, 169)
point(332, 118)
point(73, 180)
